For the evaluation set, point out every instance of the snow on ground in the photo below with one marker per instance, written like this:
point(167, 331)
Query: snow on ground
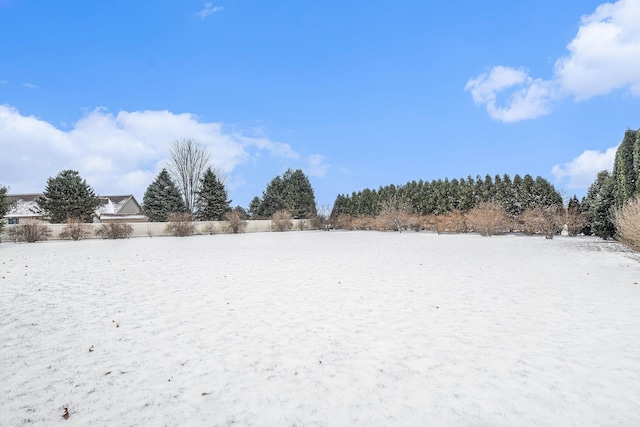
point(320, 328)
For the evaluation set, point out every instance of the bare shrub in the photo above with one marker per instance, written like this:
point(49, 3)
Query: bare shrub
point(30, 231)
point(544, 220)
point(180, 224)
point(365, 223)
point(627, 221)
point(210, 228)
point(343, 222)
point(235, 222)
point(395, 215)
point(451, 222)
point(575, 222)
point(115, 230)
point(303, 224)
point(488, 218)
point(322, 220)
point(281, 221)
point(75, 229)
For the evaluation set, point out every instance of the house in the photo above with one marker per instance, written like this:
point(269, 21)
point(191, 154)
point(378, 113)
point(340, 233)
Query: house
point(120, 209)
point(111, 209)
point(23, 206)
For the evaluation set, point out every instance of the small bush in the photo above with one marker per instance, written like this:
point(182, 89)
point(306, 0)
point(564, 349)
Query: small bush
point(395, 215)
point(180, 224)
point(451, 222)
point(488, 218)
point(575, 222)
point(235, 222)
point(75, 229)
point(547, 221)
point(281, 221)
point(627, 221)
point(114, 230)
point(210, 228)
point(30, 231)
point(342, 222)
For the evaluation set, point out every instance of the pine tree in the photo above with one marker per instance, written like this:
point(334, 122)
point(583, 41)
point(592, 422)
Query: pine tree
point(4, 205)
point(291, 192)
point(300, 198)
point(68, 196)
point(211, 198)
point(162, 198)
point(254, 208)
point(624, 175)
point(600, 200)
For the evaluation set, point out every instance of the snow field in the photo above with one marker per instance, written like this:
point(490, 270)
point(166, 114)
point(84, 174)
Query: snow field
point(320, 328)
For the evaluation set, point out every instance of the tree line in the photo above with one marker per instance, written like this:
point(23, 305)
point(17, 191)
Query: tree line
point(612, 191)
point(443, 196)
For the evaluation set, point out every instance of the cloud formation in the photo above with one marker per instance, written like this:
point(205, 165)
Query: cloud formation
point(116, 153)
point(316, 165)
point(604, 56)
point(581, 172)
point(209, 9)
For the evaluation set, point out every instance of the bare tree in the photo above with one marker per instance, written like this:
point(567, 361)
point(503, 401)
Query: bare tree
point(187, 162)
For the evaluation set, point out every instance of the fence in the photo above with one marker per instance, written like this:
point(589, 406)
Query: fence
point(148, 229)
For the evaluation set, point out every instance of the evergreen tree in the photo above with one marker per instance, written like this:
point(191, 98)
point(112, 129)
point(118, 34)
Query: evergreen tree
point(300, 197)
point(4, 205)
point(254, 208)
point(211, 198)
point(68, 196)
point(292, 192)
point(273, 198)
point(624, 174)
point(162, 198)
point(600, 201)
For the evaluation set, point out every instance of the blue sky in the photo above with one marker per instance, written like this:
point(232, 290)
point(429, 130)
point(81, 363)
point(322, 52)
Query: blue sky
point(357, 94)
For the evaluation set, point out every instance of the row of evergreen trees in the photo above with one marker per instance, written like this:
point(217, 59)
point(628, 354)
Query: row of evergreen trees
point(441, 196)
point(612, 191)
point(291, 192)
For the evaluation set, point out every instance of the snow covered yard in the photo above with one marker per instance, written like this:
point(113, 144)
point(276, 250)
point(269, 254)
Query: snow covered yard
point(320, 328)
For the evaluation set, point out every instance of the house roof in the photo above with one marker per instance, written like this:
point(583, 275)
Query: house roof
point(26, 205)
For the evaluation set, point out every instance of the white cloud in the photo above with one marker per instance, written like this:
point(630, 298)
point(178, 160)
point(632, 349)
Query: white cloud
point(580, 173)
point(529, 99)
point(316, 165)
point(30, 85)
point(209, 9)
point(119, 153)
point(604, 56)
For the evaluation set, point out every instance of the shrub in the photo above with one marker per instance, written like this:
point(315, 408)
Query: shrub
point(452, 222)
point(281, 221)
point(575, 222)
point(342, 222)
point(547, 221)
point(75, 229)
point(627, 220)
point(114, 230)
point(210, 228)
point(180, 224)
point(488, 218)
point(235, 222)
point(30, 231)
point(395, 215)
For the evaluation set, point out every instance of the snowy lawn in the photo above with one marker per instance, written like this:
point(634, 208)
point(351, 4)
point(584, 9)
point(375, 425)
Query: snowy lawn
point(320, 328)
